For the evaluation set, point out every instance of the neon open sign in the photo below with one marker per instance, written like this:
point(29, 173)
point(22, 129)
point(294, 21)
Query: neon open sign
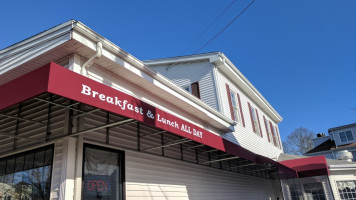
point(97, 185)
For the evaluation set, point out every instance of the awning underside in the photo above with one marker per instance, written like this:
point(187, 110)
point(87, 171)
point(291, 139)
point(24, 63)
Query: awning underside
point(49, 117)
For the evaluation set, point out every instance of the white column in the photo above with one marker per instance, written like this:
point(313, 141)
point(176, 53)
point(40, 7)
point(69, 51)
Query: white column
point(78, 169)
point(66, 189)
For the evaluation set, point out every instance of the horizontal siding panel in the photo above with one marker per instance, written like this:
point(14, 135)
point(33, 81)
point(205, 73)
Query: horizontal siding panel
point(245, 136)
point(184, 74)
point(153, 177)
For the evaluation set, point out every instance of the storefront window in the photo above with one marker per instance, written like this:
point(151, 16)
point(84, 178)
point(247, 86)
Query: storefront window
point(102, 174)
point(347, 189)
point(295, 192)
point(314, 191)
point(27, 176)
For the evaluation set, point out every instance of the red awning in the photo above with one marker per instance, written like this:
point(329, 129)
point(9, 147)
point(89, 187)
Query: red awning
point(310, 166)
point(58, 80)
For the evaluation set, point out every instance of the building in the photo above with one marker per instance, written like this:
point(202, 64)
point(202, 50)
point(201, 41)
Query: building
point(340, 138)
point(80, 118)
point(216, 81)
point(83, 119)
point(325, 179)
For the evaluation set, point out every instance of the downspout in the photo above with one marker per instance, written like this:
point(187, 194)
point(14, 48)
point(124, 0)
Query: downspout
point(88, 63)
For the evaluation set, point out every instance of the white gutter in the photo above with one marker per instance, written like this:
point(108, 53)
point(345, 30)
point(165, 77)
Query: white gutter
point(90, 61)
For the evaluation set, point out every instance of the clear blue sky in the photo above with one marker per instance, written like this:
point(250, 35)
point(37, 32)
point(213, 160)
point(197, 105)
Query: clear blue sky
point(301, 55)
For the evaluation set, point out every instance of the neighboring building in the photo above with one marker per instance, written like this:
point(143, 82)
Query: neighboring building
point(339, 139)
point(338, 183)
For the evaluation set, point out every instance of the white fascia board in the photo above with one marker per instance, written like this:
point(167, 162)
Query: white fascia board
point(189, 58)
point(246, 85)
point(86, 36)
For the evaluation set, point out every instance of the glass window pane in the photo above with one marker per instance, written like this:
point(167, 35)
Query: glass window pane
point(2, 167)
point(233, 99)
point(20, 162)
point(349, 135)
point(30, 184)
point(101, 174)
point(48, 157)
point(347, 189)
point(10, 166)
point(343, 137)
point(39, 158)
point(29, 161)
point(314, 191)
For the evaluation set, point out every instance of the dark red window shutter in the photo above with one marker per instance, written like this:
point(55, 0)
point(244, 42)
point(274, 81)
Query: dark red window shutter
point(230, 103)
point(264, 119)
point(274, 136)
point(195, 89)
point(249, 108)
point(259, 124)
point(279, 138)
point(242, 114)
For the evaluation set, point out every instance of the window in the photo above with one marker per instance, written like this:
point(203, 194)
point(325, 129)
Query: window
point(346, 136)
point(314, 191)
point(235, 108)
point(268, 129)
point(27, 176)
point(193, 89)
point(295, 192)
point(254, 120)
point(102, 173)
point(347, 189)
point(275, 135)
point(188, 88)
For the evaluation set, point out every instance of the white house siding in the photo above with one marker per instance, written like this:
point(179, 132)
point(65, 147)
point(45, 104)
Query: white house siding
point(344, 175)
point(184, 74)
point(245, 136)
point(152, 177)
point(337, 136)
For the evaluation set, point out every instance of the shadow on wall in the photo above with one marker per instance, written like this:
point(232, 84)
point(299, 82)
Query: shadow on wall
point(155, 177)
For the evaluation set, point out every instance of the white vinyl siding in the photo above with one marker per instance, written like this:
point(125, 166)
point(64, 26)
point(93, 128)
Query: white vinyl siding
point(152, 177)
point(345, 133)
point(244, 136)
point(184, 74)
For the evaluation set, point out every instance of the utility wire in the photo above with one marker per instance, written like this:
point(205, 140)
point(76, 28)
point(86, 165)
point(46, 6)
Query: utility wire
point(211, 24)
point(215, 36)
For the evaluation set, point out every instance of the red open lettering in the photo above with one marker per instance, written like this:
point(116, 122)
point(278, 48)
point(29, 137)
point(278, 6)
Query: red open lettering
point(94, 185)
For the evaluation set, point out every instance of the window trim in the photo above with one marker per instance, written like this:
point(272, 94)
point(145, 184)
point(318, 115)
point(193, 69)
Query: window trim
point(269, 134)
point(255, 123)
point(121, 163)
point(347, 139)
point(235, 108)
